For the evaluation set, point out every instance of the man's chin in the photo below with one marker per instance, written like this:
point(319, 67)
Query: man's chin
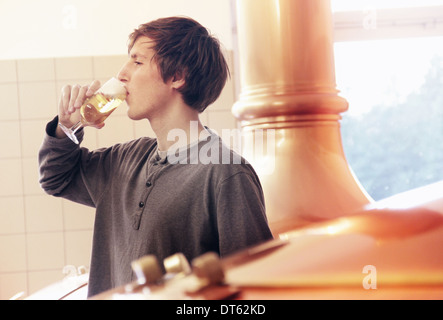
point(129, 113)
point(134, 116)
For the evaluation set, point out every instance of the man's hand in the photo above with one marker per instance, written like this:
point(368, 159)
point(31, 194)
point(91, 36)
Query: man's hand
point(71, 99)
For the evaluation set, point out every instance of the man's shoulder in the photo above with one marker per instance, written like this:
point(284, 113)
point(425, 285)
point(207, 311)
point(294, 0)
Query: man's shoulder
point(213, 150)
point(223, 159)
point(135, 148)
point(139, 142)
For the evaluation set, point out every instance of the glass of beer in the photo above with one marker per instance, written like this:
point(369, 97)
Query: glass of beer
point(98, 107)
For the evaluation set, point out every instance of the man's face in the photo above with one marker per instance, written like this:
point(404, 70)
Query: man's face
point(148, 94)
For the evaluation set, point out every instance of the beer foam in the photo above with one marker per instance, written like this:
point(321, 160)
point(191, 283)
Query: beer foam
point(113, 87)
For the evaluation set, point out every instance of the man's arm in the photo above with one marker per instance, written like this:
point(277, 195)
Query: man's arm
point(60, 167)
point(59, 159)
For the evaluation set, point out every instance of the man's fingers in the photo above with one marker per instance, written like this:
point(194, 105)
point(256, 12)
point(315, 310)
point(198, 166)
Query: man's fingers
point(72, 98)
point(75, 90)
point(80, 94)
point(93, 87)
point(80, 98)
point(64, 100)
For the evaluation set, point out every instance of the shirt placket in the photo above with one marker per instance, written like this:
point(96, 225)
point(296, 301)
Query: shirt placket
point(155, 169)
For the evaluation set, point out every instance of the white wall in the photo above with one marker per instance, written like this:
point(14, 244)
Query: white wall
point(65, 28)
point(44, 45)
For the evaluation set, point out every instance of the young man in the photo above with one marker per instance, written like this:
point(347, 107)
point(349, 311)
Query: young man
point(157, 196)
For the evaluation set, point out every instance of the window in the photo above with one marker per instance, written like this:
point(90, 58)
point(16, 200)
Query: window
point(393, 130)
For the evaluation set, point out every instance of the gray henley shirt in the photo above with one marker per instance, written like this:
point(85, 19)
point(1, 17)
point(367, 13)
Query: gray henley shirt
point(146, 204)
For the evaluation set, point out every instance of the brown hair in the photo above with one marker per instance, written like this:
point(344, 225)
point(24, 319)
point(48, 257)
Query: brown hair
point(184, 48)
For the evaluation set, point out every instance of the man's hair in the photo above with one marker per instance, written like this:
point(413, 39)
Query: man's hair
point(184, 48)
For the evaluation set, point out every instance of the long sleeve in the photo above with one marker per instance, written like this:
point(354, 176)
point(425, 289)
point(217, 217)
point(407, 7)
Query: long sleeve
point(68, 171)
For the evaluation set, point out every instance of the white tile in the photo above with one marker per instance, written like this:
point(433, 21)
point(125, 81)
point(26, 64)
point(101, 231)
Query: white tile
point(43, 213)
point(31, 186)
point(77, 216)
point(45, 251)
point(78, 248)
point(73, 68)
point(10, 139)
point(11, 171)
point(90, 138)
point(12, 253)
point(108, 66)
point(32, 133)
point(39, 280)
point(229, 56)
point(219, 120)
point(12, 215)
point(35, 69)
point(12, 284)
point(204, 117)
point(226, 99)
point(8, 71)
point(37, 100)
point(9, 94)
point(225, 125)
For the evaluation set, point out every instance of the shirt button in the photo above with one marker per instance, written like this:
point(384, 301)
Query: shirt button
point(148, 184)
point(141, 204)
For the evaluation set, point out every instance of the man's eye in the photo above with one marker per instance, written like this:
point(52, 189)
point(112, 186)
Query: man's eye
point(138, 63)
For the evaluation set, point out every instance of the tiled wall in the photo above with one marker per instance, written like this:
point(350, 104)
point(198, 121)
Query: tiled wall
point(40, 234)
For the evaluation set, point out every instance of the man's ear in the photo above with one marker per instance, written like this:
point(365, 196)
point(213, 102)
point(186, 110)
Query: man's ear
point(178, 81)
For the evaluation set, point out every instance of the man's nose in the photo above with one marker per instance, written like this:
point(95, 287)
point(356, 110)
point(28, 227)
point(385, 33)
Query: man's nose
point(123, 74)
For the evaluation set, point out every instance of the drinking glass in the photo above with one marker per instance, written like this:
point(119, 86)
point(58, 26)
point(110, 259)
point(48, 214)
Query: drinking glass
point(98, 107)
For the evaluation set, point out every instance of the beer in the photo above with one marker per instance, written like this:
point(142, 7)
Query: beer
point(97, 108)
